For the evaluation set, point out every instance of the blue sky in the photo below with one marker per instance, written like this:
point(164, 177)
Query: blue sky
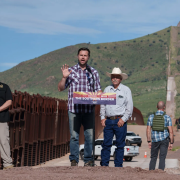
point(31, 28)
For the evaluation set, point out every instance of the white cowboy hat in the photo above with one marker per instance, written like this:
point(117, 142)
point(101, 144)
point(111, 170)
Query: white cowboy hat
point(119, 72)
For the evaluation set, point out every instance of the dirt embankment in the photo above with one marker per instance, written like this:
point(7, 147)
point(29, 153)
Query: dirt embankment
point(81, 173)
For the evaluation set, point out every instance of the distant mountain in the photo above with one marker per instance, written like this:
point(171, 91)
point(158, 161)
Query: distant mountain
point(144, 59)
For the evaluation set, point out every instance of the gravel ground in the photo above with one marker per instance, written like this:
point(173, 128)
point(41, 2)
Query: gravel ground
point(81, 173)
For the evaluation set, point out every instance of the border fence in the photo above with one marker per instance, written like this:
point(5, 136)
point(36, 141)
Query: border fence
point(39, 129)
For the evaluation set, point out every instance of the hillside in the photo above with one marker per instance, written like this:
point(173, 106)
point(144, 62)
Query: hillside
point(144, 59)
point(174, 52)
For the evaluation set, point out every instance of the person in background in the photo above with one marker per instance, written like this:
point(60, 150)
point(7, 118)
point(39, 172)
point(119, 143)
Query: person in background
point(159, 140)
point(5, 102)
point(177, 124)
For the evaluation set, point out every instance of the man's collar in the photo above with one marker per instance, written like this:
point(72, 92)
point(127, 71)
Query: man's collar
point(160, 111)
point(119, 87)
point(78, 66)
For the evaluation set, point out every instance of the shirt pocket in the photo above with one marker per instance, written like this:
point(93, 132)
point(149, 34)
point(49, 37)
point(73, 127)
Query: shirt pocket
point(75, 79)
point(120, 100)
point(90, 82)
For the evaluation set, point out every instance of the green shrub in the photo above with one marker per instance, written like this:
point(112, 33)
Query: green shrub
point(175, 148)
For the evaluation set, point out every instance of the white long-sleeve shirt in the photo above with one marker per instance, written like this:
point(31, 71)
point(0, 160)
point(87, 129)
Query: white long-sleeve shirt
point(124, 103)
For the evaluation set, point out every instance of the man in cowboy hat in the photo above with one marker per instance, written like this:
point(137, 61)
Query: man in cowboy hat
point(114, 118)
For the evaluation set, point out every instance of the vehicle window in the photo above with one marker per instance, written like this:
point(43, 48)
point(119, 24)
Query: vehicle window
point(98, 143)
point(130, 134)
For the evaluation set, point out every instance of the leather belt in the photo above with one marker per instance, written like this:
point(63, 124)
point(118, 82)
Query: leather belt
point(114, 117)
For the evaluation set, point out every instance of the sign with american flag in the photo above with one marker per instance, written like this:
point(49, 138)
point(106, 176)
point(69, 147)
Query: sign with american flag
point(94, 98)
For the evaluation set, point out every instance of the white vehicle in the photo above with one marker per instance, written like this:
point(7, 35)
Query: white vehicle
point(129, 151)
point(132, 138)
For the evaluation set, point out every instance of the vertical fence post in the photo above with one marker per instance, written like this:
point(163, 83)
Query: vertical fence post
point(56, 122)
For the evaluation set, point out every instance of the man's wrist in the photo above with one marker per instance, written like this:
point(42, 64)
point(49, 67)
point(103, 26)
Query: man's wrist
point(103, 117)
point(149, 141)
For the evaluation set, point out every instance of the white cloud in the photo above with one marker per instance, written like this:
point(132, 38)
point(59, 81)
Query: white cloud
point(88, 17)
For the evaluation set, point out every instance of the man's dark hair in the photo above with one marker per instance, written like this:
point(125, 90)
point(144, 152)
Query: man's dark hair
point(84, 49)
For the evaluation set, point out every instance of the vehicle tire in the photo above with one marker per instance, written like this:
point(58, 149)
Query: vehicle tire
point(128, 143)
point(82, 155)
point(95, 157)
point(128, 158)
point(139, 145)
point(114, 155)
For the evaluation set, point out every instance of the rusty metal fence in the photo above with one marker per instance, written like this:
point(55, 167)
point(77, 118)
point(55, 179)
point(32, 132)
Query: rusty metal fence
point(39, 129)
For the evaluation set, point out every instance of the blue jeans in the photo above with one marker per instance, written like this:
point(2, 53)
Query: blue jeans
point(110, 130)
point(75, 121)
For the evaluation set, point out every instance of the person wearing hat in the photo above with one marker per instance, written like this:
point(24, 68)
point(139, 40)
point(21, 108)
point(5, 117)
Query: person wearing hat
point(114, 118)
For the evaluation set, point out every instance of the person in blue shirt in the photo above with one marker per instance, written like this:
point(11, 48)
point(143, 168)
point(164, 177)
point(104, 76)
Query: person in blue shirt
point(159, 140)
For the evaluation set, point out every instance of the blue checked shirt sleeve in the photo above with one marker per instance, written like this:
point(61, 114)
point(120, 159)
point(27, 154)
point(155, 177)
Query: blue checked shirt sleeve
point(149, 122)
point(97, 85)
point(169, 121)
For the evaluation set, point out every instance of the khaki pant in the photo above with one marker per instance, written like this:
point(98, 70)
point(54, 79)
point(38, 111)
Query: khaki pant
point(4, 144)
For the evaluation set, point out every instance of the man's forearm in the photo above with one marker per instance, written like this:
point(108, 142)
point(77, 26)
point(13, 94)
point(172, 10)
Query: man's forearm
point(102, 111)
point(6, 105)
point(148, 133)
point(171, 137)
point(129, 107)
point(61, 85)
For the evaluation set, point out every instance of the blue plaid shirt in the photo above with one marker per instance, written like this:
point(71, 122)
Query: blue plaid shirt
point(157, 136)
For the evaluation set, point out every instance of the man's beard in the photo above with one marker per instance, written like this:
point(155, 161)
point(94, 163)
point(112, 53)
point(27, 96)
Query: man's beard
point(114, 81)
